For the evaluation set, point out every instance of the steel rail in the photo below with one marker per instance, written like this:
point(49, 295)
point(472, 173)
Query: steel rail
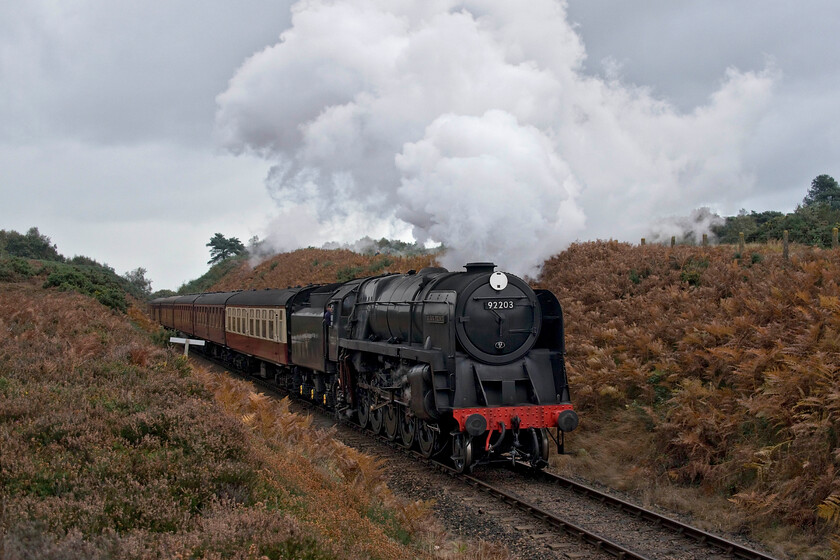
point(593, 539)
point(703, 537)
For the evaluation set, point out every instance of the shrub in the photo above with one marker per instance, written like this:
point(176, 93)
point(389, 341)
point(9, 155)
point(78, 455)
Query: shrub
point(15, 269)
point(89, 282)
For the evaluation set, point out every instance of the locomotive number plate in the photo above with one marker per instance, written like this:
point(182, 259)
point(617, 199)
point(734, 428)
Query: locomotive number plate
point(498, 304)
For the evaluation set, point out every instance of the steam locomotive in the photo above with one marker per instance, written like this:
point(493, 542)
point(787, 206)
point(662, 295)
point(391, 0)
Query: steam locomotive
point(467, 365)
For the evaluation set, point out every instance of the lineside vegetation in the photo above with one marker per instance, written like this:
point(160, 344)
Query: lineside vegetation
point(113, 447)
point(712, 371)
point(707, 381)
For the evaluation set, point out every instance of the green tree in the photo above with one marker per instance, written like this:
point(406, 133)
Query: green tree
point(824, 190)
point(222, 248)
point(137, 279)
point(33, 245)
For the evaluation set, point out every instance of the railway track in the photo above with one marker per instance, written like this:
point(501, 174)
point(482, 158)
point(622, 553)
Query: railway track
point(726, 546)
point(557, 507)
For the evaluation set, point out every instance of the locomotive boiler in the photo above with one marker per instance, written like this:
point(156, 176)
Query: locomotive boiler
point(467, 365)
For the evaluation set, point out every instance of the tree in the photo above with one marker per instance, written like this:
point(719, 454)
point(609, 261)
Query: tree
point(824, 190)
point(33, 245)
point(137, 279)
point(222, 248)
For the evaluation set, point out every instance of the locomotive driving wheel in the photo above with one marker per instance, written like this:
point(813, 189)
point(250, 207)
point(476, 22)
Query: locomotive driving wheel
point(427, 438)
point(408, 429)
point(376, 416)
point(364, 407)
point(392, 424)
point(461, 452)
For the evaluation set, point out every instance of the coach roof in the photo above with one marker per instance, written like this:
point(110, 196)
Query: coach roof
point(214, 298)
point(263, 297)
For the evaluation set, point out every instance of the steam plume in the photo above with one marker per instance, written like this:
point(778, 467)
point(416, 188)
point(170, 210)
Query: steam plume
point(474, 123)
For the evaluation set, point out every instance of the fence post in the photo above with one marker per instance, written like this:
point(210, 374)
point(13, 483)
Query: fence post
point(673, 240)
point(643, 241)
point(834, 238)
point(705, 240)
point(785, 251)
point(741, 243)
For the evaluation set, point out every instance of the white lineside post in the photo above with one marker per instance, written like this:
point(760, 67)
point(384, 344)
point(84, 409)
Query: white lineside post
point(186, 342)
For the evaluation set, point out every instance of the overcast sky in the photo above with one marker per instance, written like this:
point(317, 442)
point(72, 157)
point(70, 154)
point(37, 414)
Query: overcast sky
point(131, 132)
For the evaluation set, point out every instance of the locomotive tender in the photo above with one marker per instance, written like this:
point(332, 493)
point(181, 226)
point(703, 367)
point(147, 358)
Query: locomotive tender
point(468, 365)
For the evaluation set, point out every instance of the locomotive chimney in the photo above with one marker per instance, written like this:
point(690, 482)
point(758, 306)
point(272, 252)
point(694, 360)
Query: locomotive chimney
point(480, 267)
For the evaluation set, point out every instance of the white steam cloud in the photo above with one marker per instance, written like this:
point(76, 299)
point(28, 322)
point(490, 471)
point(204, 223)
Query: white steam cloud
point(473, 123)
point(689, 228)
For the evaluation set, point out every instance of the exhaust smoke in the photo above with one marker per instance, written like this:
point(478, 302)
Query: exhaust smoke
point(473, 124)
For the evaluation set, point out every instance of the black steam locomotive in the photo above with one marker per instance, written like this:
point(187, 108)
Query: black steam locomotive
point(467, 365)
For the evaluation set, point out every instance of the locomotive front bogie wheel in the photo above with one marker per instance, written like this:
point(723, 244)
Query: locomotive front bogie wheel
point(537, 447)
point(427, 438)
point(408, 429)
point(543, 441)
point(392, 424)
point(461, 452)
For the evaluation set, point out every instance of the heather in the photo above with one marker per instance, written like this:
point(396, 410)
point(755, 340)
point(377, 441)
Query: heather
point(115, 448)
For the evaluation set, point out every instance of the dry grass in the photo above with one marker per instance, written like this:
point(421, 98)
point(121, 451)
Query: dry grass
point(316, 266)
point(721, 375)
point(112, 448)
